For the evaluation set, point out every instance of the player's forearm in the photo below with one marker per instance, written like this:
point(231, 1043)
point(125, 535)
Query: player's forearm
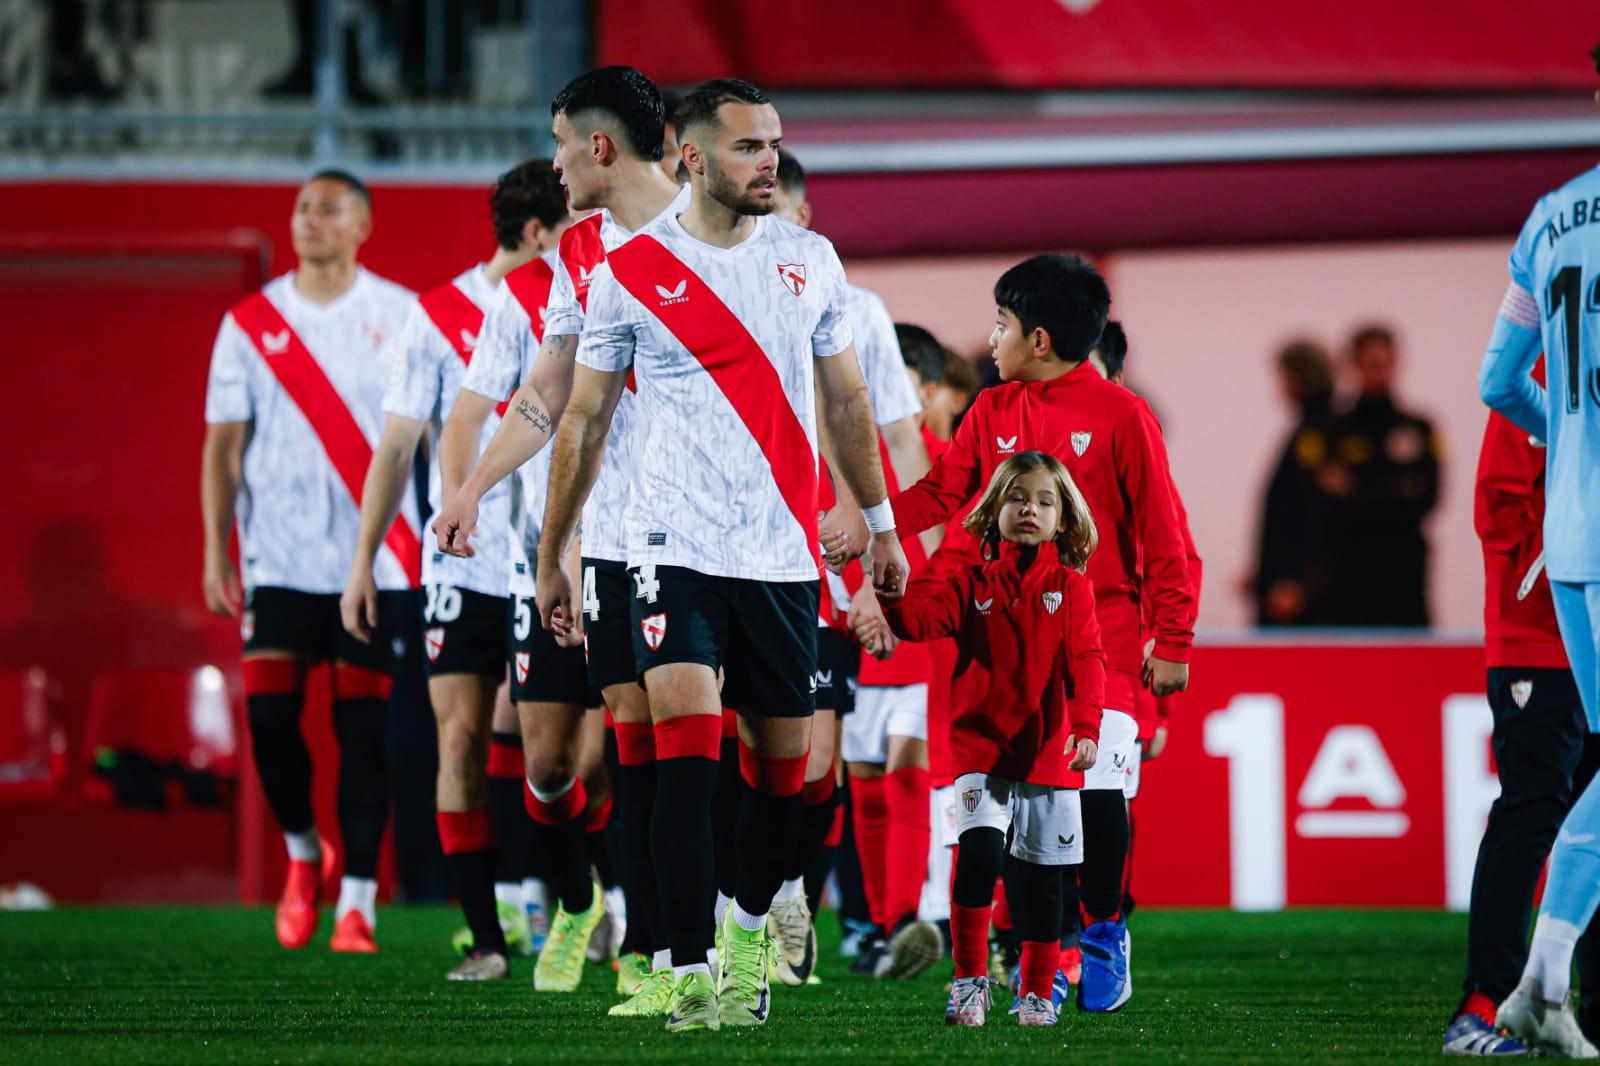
point(908, 455)
point(1504, 381)
point(221, 478)
point(574, 465)
point(458, 440)
point(526, 428)
point(855, 442)
point(381, 493)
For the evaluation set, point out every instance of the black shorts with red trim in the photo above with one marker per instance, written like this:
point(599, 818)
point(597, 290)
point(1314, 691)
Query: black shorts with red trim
point(543, 671)
point(464, 632)
point(309, 625)
point(838, 666)
point(608, 623)
point(762, 634)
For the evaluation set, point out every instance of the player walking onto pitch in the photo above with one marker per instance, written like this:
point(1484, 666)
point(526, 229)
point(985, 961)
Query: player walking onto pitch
point(1027, 615)
point(729, 320)
point(607, 124)
point(294, 407)
point(466, 598)
point(1553, 305)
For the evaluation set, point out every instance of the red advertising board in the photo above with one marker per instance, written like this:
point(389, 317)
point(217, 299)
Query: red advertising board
point(1466, 45)
point(1296, 775)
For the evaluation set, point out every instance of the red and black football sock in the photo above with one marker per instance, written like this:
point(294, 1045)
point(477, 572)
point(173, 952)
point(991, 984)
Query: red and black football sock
point(725, 814)
point(361, 724)
point(564, 840)
point(972, 899)
point(636, 794)
point(687, 750)
point(506, 812)
point(1035, 895)
point(769, 821)
point(274, 697)
point(821, 823)
point(871, 817)
point(1105, 851)
point(469, 850)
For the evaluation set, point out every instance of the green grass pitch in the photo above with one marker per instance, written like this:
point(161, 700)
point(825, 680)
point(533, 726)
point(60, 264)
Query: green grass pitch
point(179, 985)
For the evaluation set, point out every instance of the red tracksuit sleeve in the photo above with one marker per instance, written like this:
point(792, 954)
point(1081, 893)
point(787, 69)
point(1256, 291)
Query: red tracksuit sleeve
point(1086, 661)
point(1503, 509)
point(1146, 477)
point(932, 607)
point(955, 477)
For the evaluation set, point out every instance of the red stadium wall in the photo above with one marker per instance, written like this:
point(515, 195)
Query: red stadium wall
point(1470, 45)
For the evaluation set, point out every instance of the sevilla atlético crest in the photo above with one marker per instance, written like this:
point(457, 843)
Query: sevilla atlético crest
point(275, 343)
point(1521, 693)
point(1052, 602)
point(654, 628)
point(1080, 442)
point(970, 798)
point(794, 276)
point(522, 667)
point(247, 626)
point(434, 639)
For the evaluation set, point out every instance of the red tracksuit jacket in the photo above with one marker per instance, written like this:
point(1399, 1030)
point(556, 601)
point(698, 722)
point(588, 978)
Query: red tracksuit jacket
point(1111, 443)
point(1508, 513)
point(1030, 623)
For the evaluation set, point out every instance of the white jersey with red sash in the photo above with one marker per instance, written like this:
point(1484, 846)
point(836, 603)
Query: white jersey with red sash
point(309, 378)
point(431, 361)
point(512, 329)
point(722, 343)
point(583, 248)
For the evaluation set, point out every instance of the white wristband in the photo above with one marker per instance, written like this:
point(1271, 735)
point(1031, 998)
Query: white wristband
point(880, 517)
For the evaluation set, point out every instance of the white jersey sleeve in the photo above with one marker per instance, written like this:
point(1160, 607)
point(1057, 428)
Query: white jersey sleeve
point(228, 383)
point(563, 317)
point(878, 350)
point(496, 365)
point(609, 327)
point(414, 379)
point(832, 333)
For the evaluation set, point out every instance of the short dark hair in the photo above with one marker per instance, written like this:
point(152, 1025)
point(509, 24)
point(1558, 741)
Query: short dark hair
point(699, 105)
point(1369, 334)
point(531, 189)
point(669, 106)
point(348, 180)
point(1061, 294)
point(1113, 348)
point(623, 94)
point(791, 175)
point(1307, 366)
point(920, 349)
point(959, 375)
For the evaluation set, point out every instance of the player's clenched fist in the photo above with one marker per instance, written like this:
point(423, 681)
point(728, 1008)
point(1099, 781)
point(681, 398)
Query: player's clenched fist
point(223, 593)
point(456, 523)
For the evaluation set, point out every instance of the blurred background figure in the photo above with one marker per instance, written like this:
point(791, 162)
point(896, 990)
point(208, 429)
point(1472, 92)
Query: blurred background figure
point(1290, 585)
point(1381, 479)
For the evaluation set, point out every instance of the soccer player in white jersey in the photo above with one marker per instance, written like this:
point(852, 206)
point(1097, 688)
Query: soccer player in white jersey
point(294, 406)
point(465, 613)
point(1553, 306)
point(604, 124)
point(729, 320)
point(886, 719)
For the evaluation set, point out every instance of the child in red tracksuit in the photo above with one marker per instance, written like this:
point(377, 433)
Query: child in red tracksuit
point(1026, 617)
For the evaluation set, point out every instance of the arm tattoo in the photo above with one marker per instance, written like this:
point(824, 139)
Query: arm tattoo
point(534, 415)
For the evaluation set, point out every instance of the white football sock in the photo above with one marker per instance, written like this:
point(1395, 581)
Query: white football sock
point(661, 960)
point(1550, 957)
point(304, 847)
point(747, 921)
point(721, 907)
point(358, 894)
point(795, 889)
point(693, 967)
point(510, 893)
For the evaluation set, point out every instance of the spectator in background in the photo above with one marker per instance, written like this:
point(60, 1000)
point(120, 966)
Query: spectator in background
point(1290, 585)
point(1381, 478)
point(945, 382)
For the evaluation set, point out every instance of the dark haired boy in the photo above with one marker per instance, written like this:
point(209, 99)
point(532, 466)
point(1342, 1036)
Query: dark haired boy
point(1051, 312)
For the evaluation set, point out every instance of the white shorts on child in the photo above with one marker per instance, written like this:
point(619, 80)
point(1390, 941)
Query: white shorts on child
point(1119, 748)
point(883, 711)
point(1047, 822)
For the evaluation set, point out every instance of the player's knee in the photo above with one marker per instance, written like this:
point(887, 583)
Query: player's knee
point(551, 770)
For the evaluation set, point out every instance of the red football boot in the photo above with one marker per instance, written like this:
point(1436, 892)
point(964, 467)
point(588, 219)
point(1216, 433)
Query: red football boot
point(352, 933)
point(297, 907)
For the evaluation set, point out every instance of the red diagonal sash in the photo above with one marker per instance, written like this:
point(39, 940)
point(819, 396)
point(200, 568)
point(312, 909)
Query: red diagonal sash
point(581, 251)
point(302, 377)
point(716, 337)
point(460, 322)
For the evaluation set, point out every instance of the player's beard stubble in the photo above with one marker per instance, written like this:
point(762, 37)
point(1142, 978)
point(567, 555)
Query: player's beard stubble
point(745, 200)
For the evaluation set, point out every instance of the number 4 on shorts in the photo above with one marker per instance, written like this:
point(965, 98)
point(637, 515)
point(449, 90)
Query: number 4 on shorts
point(645, 585)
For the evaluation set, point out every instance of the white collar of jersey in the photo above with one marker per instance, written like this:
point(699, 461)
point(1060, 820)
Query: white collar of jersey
point(292, 294)
point(676, 224)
